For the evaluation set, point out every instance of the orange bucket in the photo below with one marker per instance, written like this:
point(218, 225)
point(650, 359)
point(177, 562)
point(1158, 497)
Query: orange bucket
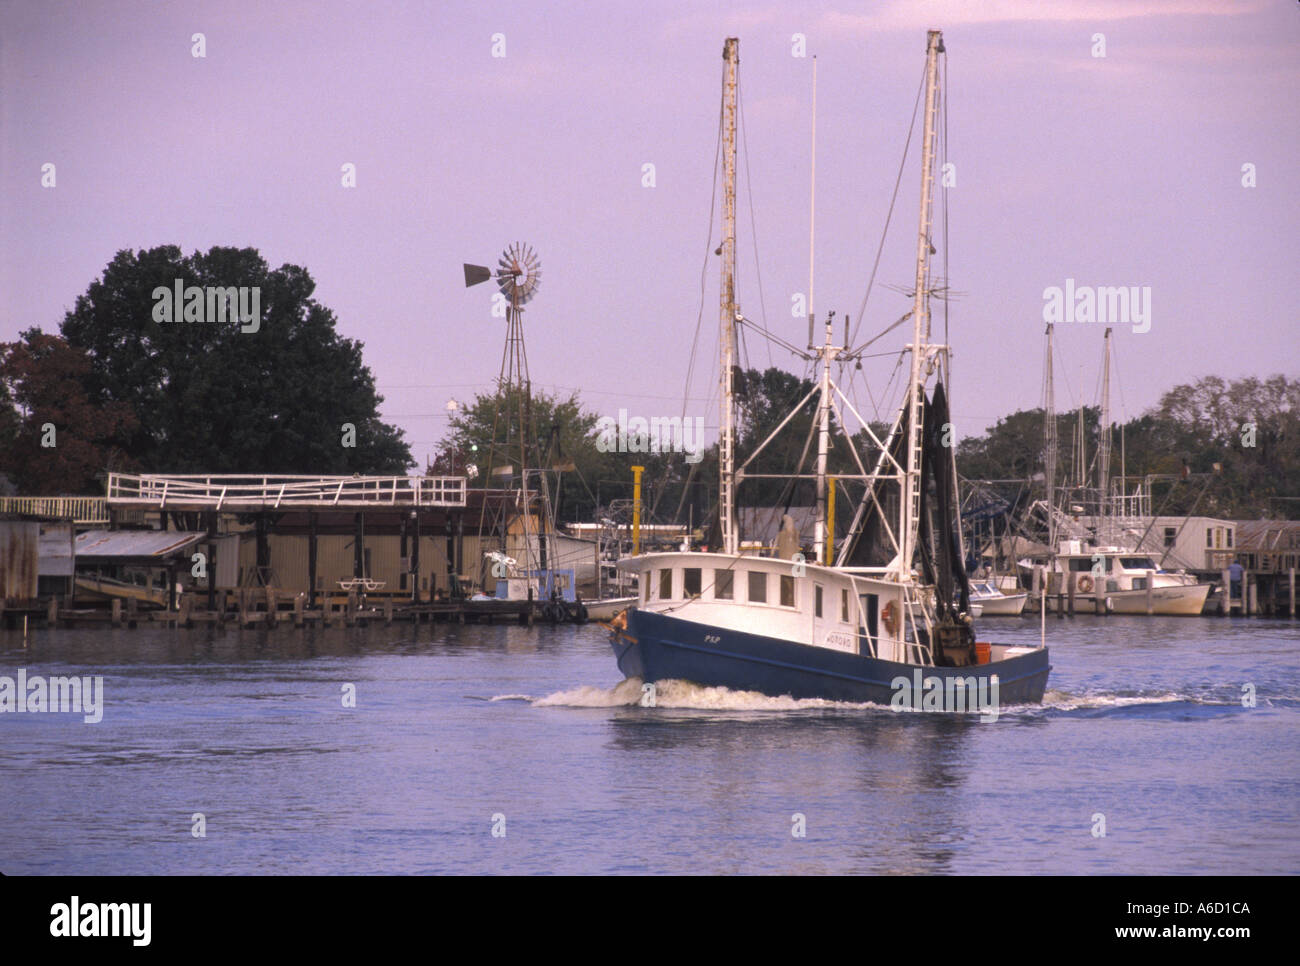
point(983, 652)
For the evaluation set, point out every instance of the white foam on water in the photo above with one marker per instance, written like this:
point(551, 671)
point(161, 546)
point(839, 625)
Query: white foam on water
point(626, 692)
point(687, 696)
point(1064, 701)
point(512, 697)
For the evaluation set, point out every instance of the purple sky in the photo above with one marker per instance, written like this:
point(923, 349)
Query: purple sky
point(1122, 170)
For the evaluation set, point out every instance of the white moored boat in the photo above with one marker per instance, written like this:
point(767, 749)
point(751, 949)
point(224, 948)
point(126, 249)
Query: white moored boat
point(1128, 582)
point(994, 603)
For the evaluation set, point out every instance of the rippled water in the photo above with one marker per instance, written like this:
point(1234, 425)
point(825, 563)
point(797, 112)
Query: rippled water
point(458, 731)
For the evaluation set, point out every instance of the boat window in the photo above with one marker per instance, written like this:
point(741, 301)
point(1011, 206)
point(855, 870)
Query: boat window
point(757, 587)
point(817, 601)
point(787, 590)
point(665, 584)
point(691, 582)
point(844, 605)
point(722, 584)
point(1137, 563)
point(1080, 565)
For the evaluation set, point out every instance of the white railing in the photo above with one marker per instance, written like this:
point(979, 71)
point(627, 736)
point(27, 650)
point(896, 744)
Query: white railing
point(274, 492)
point(78, 509)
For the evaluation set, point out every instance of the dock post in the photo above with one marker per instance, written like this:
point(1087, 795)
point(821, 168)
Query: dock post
point(388, 609)
point(350, 615)
point(415, 558)
point(212, 560)
point(1291, 581)
point(184, 604)
point(243, 607)
point(131, 606)
point(272, 607)
point(1151, 579)
point(52, 612)
point(1225, 608)
point(297, 610)
point(1252, 598)
point(359, 545)
point(1071, 592)
point(311, 560)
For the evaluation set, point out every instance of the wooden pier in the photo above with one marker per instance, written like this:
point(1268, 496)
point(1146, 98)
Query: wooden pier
point(265, 607)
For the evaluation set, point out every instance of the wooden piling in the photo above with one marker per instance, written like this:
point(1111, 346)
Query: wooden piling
point(1225, 607)
point(1291, 582)
point(1252, 594)
point(117, 612)
point(297, 610)
point(1070, 589)
point(52, 613)
point(311, 561)
point(1151, 579)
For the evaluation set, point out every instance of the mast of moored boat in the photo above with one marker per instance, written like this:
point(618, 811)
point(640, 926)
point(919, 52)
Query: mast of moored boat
point(727, 427)
point(922, 358)
point(1103, 442)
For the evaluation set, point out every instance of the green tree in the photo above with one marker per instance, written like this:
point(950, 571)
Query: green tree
point(557, 435)
point(53, 438)
point(213, 398)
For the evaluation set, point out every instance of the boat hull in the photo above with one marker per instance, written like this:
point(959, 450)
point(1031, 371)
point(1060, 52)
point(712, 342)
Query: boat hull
point(656, 647)
point(1188, 601)
point(1008, 605)
point(606, 607)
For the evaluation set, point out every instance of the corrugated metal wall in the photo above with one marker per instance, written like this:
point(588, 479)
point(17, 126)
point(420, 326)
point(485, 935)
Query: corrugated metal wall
point(19, 556)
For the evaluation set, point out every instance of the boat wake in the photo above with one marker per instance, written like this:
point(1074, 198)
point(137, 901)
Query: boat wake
point(684, 695)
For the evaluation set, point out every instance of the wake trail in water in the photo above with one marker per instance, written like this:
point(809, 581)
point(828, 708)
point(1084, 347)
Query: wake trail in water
point(687, 696)
point(683, 695)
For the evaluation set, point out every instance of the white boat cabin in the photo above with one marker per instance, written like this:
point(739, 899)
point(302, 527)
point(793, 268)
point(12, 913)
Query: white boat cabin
point(1119, 570)
point(774, 597)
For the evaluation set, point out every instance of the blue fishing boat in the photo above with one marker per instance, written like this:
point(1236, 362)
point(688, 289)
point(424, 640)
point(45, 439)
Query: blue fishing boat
point(885, 617)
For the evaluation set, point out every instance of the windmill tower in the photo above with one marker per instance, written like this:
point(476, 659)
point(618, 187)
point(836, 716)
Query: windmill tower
point(519, 272)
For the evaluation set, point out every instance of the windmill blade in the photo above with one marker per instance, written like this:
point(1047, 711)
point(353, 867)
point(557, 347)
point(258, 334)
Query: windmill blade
point(476, 273)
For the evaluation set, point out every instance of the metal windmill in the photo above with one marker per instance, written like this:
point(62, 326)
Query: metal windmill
point(518, 275)
point(519, 272)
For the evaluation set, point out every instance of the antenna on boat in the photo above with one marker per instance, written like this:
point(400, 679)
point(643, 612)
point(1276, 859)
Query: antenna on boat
point(922, 351)
point(812, 205)
point(1103, 442)
point(727, 428)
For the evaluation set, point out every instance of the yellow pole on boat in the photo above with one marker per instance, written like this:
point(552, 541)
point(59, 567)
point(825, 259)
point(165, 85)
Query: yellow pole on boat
point(636, 509)
point(830, 521)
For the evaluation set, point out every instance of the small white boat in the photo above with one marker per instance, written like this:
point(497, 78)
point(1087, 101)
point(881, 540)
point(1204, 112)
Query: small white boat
point(994, 603)
point(605, 608)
